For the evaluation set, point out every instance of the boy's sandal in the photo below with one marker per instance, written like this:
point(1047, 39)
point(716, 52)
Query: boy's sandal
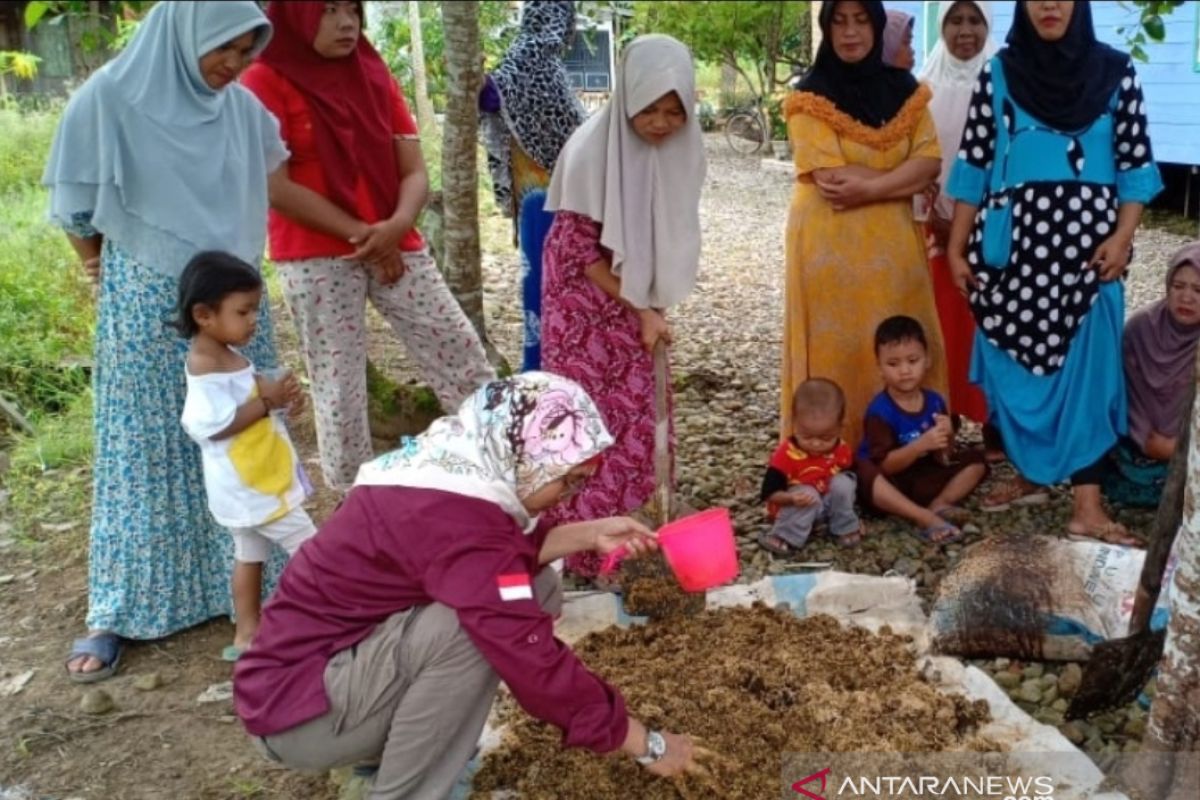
point(851, 539)
point(104, 647)
point(1013, 493)
point(774, 545)
point(1109, 533)
point(940, 533)
point(955, 515)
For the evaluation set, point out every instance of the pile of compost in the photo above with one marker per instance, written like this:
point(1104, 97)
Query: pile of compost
point(751, 684)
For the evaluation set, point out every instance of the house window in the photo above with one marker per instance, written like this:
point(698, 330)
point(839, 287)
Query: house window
point(588, 66)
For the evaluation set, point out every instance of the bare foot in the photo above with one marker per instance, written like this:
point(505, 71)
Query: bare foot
point(84, 664)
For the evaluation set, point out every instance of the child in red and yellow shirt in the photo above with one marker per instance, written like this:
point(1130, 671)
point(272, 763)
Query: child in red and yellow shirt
point(809, 477)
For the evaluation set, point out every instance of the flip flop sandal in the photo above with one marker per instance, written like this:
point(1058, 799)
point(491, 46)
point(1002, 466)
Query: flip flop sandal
point(852, 539)
point(105, 648)
point(1110, 533)
point(232, 653)
point(929, 534)
point(955, 515)
point(1005, 497)
point(774, 545)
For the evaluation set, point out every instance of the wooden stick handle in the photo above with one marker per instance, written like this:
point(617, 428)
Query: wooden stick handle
point(662, 435)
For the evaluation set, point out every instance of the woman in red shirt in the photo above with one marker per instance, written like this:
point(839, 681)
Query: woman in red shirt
point(392, 627)
point(341, 226)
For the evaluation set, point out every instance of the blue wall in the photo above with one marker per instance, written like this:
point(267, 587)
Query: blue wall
point(1170, 79)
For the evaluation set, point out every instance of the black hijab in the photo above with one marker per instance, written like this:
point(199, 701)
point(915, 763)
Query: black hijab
point(1066, 84)
point(869, 91)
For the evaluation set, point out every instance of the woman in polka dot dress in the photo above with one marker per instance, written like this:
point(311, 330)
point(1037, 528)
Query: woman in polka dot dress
point(1052, 175)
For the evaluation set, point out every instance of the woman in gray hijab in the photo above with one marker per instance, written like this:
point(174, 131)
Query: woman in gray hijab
point(159, 155)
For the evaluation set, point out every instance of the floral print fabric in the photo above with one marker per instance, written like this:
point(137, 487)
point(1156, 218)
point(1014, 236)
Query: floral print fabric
point(328, 300)
point(158, 563)
point(509, 439)
point(595, 341)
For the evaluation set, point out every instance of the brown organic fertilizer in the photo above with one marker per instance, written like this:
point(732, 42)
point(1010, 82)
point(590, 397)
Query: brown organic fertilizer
point(751, 684)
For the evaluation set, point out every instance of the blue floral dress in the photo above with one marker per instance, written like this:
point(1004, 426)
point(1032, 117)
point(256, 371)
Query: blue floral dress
point(1047, 348)
point(158, 562)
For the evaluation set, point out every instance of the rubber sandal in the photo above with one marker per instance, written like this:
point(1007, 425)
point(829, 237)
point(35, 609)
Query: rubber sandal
point(1111, 533)
point(955, 515)
point(1005, 496)
point(104, 647)
point(774, 545)
point(929, 534)
point(232, 653)
point(851, 539)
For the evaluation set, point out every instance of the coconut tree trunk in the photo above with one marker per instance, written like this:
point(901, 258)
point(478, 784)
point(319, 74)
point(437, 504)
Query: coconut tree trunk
point(460, 168)
point(1170, 757)
point(425, 117)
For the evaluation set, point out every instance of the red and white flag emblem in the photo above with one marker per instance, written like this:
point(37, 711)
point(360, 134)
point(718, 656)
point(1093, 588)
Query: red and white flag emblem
point(515, 586)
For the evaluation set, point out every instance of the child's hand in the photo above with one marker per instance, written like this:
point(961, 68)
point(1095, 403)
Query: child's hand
point(934, 439)
point(802, 499)
point(275, 393)
point(295, 396)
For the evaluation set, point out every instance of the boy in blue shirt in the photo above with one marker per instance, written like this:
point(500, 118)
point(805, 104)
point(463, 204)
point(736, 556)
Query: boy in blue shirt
point(908, 437)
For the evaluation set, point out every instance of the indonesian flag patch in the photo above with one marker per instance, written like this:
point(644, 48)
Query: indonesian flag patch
point(515, 586)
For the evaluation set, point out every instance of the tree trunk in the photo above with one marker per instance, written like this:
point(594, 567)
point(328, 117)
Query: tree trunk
point(460, 168)
point(1170, 757)
point(425, 118)
point(729, 79)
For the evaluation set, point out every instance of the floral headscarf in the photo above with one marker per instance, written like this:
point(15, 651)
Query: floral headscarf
point(508, 439)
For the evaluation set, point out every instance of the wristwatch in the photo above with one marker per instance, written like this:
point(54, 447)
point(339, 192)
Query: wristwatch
point(656, 748)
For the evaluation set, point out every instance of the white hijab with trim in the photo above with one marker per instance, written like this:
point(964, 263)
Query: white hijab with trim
point(645, 197)
point(509, 438)
point(952, 81)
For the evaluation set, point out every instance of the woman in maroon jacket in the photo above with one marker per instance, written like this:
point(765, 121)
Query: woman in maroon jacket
point(391, 627)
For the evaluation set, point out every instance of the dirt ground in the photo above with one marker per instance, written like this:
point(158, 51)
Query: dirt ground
point(153, 744)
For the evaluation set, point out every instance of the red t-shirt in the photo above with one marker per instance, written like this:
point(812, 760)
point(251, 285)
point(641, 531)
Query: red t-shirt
point(800, 467)
point(289, 240)
point(388, 548)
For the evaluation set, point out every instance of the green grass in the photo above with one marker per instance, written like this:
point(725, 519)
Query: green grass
point(62, 440)
point(24, 142)
point(46, 309)
point(50, 479)
point(46, 323)
point(46, 313)
point(1171, 221)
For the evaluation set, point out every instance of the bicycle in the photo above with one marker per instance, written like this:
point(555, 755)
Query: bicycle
point(746, 129)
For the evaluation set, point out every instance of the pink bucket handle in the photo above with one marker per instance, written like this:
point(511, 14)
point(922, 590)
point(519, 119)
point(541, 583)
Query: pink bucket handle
point(613, 560)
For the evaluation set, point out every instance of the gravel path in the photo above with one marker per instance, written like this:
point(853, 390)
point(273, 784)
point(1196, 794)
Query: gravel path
point(726, 372)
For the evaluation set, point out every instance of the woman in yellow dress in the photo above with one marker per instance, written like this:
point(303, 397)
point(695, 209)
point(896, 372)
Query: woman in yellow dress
point(864, 145)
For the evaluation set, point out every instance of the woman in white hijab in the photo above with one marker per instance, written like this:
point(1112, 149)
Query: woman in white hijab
point(963, 48)
point(624, 247)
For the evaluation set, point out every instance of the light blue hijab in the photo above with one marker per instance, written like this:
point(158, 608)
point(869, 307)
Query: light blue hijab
point(165, 165)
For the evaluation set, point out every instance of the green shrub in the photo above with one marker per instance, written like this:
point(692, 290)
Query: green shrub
point(46, 310)
point(24, 142)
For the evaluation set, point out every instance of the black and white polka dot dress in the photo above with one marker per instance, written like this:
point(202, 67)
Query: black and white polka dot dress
point(1046, 201)
point(1057, 197)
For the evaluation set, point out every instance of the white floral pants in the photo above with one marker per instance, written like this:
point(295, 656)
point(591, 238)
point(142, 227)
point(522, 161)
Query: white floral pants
point(327, 298)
